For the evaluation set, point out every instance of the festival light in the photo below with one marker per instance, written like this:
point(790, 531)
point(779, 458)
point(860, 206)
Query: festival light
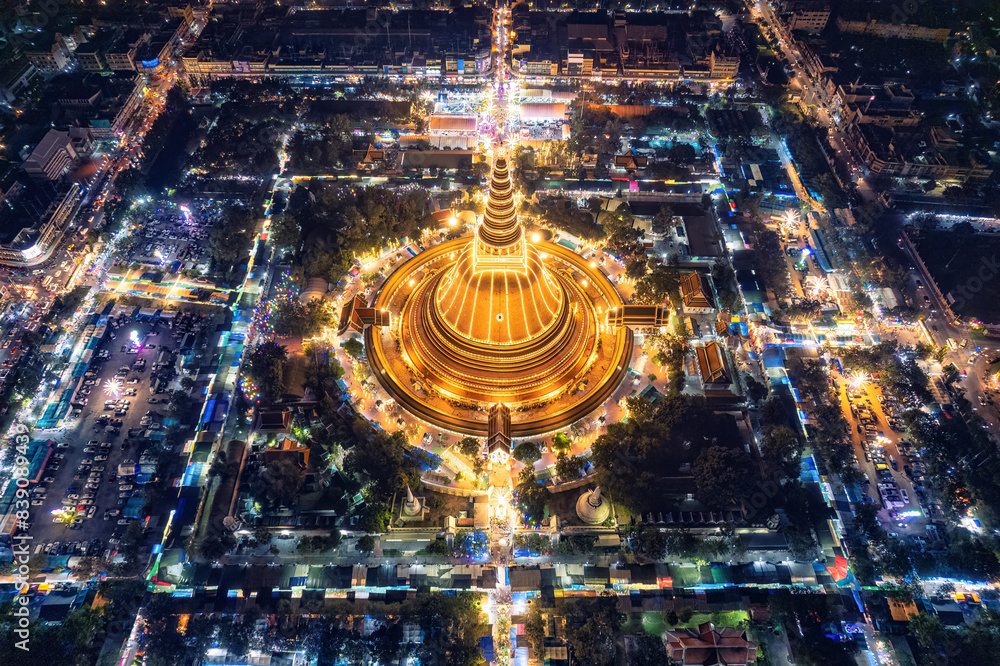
point(859, 380)
point(790, 220)
point(817, 287)
point(113, 387)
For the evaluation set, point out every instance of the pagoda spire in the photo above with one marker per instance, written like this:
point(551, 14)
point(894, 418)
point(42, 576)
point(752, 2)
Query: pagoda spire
point(500, 227)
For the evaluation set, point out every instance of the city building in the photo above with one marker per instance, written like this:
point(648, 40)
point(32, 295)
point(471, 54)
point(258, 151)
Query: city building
point(898, 30)
point(810, 17)
point(55, 58)
point(707, 645)
point(36, 241)
point(122, 55)
point(15, 78)
point(53, 157)
point(885, 105)
point(498, 434)
point(933, 154)
point(713, 367)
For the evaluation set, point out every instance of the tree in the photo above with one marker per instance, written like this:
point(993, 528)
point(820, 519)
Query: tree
point(375, 518)
point(568, 468)
point(756, 390)
point(633, 457)
point(780, 447)
point(622, 234)
point(682, 153)
point(387, 460)
point(723, 475)
point(526, 452)
point(928, 630)
point(86, 567)
point(561, 442)
point(366, 544)
point(354, 348)
point(648, 651)
point(180, 404)
point(262, 535)
point(229, 241)
point(299, 319)
point(212, 548)
point(635, 269)
point(438, 547)
point(657, 285)
point(534, 626)
point(280, 483)
point(593, 626)
point(470, 447)
point(266, 368)
point(531, 496)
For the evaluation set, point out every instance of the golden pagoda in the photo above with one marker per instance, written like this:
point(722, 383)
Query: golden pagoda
point(497, 318)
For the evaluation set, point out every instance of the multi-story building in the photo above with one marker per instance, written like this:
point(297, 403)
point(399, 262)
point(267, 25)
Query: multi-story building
point(17, 76)
point(88, 57)
point(52, 158)
point(121, 56)
point(923, 155)
point(808, 16)
point(891, 29)
point(50, 60)
point(35, 244)
point(887, 105)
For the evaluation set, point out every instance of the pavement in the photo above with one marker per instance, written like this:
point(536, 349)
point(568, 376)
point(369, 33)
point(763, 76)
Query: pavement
point(77, 434)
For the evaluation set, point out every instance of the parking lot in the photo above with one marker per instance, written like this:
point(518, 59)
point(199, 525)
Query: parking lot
point(175, 238)
point(120, 403)
point(894, 474)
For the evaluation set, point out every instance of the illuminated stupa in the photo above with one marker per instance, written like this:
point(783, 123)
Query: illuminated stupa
point(497, 318)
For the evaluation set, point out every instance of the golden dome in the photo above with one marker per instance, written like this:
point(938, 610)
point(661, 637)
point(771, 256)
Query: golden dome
point(496, 319)
point(500, 306)
point(498, 291)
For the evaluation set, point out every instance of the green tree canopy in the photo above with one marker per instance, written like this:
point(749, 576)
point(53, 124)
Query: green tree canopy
point(724, 475)
point(526, 452)
point(633, 457)
point(266, 367)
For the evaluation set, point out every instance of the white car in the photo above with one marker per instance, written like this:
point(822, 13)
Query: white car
point(905, 495)
point(125, 487)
